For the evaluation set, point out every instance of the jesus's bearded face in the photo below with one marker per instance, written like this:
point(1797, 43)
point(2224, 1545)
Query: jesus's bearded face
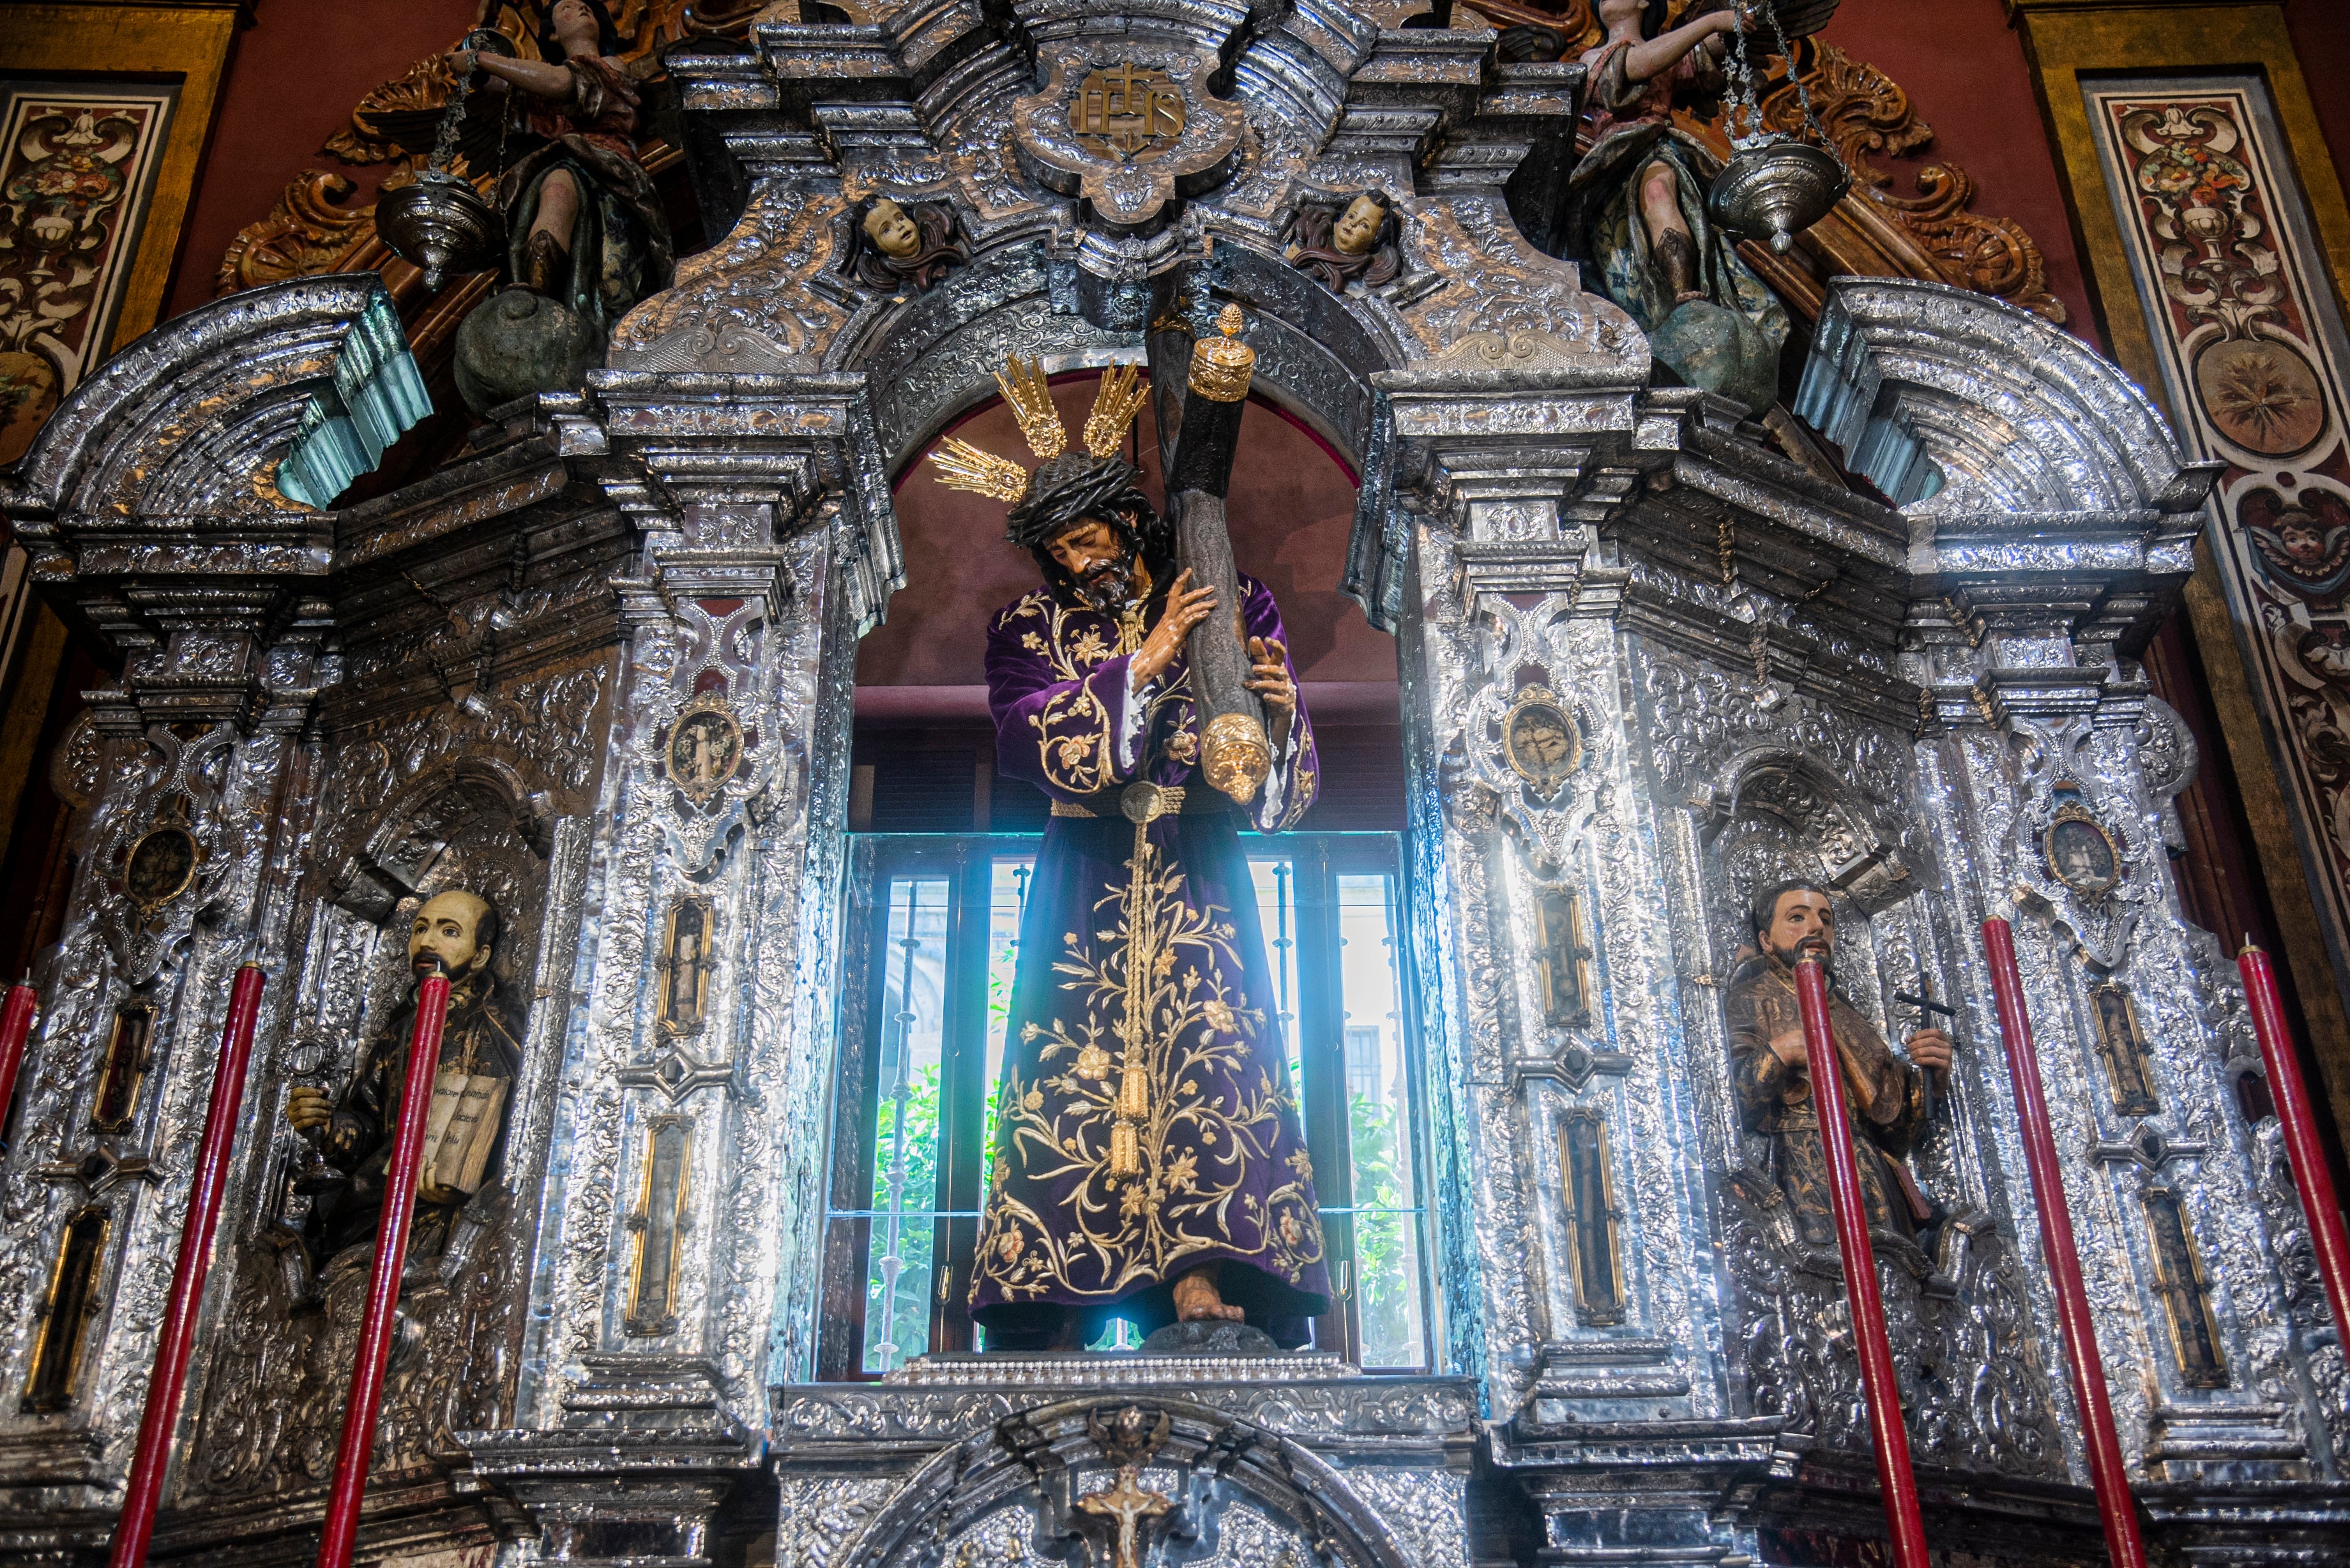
point(1101, 563)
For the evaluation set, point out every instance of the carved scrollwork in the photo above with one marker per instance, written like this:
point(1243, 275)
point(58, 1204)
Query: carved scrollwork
point(78, 768)
point(713, 763)
point(174, 848)
point(308, 230)
point(1931, 234)
point(2073, 862)
point(1970, 1378)
point(1218, 1489)
point(539, 728)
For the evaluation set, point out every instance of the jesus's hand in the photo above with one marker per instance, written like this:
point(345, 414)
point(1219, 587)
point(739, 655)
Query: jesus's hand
point(1187, 607)
point(1269, 679)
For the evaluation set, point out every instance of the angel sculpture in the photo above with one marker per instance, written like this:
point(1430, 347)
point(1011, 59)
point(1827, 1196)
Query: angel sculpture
point(1637, 202)
point(585, 226)
point(1354, 241)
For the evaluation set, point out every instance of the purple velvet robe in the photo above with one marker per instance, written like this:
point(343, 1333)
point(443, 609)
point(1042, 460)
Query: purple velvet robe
point(1225, 1175)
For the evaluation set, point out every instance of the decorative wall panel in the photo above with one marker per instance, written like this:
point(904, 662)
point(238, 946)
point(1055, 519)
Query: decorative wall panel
point(77, 170)
point(2255, 363)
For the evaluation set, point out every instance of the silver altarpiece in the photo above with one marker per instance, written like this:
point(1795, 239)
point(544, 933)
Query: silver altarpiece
point(472, 682)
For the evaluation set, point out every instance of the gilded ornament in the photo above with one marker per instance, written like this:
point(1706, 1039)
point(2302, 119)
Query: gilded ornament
point(688, 961)
point(705, 748)
point(2081, 853)
point(1127, 111)
point(1541, 740)
point(1117, 399)
point(1221, 367)
point(161, 866)
point(1023, 384)
point(962, 466)
point(1235, 755)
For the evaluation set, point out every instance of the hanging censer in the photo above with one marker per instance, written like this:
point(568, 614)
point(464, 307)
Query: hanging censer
point(1776, 185)
point(441, 223)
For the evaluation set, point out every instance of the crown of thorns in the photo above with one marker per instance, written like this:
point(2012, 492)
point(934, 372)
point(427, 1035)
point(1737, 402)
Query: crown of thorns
point(962, 466)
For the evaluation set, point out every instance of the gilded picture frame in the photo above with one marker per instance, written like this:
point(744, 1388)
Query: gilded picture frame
point(703, 751)
point(688, 961)
point(658, 1227)
point(161, 865)
point(135, 48)
point(129, 1046)
point(2080, 851)
point(1541, 740)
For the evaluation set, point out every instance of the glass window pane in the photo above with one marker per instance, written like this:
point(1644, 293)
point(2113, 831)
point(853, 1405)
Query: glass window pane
point(906, 1127)
point(1379, 1125)
point(1007, 903)
point(1116, 1334)
point(1276, 910)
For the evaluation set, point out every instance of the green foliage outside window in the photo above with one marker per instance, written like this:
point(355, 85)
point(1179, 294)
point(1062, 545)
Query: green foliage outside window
point(1384, 1265)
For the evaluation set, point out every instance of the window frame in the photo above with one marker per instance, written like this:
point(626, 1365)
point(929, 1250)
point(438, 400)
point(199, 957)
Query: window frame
point(1312, 968)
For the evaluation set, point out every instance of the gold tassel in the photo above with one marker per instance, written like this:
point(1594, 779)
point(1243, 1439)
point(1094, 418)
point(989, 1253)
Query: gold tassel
point(1125, 1151)
point(1134, 1096)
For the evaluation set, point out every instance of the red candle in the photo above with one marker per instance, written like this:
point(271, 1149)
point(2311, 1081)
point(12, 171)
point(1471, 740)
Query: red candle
point(2115, 1505)
point(359, 1412)
point(178, 1339)
point(1889, 1436)
point(15, 1028)
point(2310, 1175)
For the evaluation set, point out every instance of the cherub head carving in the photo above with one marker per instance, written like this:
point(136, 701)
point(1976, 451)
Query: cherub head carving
point(1357, 240)
point(892, 231)
point(893, 243)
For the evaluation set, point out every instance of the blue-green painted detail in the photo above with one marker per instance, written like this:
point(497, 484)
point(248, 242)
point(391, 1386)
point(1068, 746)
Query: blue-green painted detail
point(376, 396)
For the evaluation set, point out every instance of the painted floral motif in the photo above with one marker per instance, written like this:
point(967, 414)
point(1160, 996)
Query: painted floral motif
point(70, 168)
point(2240, 327)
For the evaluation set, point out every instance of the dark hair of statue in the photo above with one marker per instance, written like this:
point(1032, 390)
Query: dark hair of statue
point(486, 929)
point(608, 35)
point(1076, 487)
point(1765, 906)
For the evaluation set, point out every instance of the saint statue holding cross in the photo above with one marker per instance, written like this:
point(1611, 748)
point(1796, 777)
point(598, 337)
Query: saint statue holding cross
point(1149, 1162)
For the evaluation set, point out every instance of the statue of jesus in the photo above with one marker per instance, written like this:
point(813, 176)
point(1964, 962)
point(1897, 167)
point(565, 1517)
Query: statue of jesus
point(1149, 1161)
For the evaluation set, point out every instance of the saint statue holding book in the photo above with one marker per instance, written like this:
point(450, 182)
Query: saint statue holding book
point(456, 933)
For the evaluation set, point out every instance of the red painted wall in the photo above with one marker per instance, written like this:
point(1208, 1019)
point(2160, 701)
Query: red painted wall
point(2320, 37)
point(298, 70)
point(1964, 71)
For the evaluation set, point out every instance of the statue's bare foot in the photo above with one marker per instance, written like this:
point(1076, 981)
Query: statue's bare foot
point(1197, 1300)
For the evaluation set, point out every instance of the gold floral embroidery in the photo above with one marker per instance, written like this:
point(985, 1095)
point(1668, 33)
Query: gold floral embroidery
point(1078, 761)
point(1072, 637)
point(1110, 1236)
